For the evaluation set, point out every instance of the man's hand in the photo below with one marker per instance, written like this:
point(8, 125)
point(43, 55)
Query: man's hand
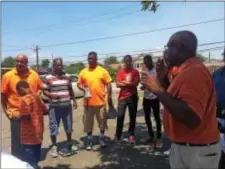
point(161, 69)
point(74, 104)
point(151, 83)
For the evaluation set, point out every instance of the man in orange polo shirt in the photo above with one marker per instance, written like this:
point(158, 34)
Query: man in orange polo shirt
point(189, 100)
point(94, 81)
point(10, 99)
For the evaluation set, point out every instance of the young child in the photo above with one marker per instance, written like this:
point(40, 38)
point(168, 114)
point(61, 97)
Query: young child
point(32, 111)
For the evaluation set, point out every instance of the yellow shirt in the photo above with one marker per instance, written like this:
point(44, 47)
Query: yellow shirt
point(96, 80)
point(8, 88)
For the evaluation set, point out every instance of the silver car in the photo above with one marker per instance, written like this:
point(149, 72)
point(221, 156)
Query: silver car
point(78, 93)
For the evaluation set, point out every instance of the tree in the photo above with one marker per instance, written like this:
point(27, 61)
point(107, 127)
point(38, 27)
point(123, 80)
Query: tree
point(45, 63)
point(111, 60)
point(111, 71)
point(150, 5)
point(74, 68)
point(202, 58)
point(9, 61)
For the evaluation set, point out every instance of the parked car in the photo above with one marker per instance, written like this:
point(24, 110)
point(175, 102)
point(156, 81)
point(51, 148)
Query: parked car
point(78, 93)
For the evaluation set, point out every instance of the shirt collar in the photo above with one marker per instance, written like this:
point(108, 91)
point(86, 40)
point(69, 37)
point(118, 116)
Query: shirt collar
point(16, 72)
point(174, 71)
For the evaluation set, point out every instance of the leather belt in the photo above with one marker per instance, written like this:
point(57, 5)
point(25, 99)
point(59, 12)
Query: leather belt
point(196, 145)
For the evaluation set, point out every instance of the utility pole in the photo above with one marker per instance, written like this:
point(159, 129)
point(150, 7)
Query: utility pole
point(209, 57)
point(36, 49)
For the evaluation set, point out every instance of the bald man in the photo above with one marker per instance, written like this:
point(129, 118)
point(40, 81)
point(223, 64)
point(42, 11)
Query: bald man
point(188, 95)
point(10, 100)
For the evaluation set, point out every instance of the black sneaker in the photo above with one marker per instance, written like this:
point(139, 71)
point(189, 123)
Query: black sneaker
point(102, 142)
point(89, 144)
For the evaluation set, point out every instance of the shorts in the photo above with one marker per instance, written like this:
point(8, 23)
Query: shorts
point(55, 116)
point(31, 154)
point(88, 118)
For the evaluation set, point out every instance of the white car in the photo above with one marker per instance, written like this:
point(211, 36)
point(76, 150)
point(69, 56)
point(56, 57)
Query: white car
point(78, 93)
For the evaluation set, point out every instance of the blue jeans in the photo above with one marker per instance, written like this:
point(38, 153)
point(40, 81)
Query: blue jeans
point(55, 116)
point(31, 154)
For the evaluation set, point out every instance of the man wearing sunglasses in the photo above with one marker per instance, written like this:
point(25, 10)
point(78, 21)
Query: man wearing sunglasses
point(219, 80)
point(185, 88)
point(10, 99)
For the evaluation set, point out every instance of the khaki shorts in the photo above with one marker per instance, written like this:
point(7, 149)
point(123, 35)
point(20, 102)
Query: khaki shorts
point(88, 118)
point(187, 157)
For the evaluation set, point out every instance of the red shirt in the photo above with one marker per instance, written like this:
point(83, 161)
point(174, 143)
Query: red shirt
point(130, 75)
point(192, 83)
point(32, 130)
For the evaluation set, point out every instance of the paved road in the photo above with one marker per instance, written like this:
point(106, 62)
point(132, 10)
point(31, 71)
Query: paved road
point(115, 156)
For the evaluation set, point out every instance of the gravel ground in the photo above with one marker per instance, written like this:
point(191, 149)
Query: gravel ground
point(115, 156)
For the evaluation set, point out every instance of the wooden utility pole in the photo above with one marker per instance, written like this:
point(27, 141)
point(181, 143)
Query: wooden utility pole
point(209, 57)
point(36, 49)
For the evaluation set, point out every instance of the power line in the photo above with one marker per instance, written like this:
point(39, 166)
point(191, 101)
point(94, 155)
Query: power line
point(143, 50)
point(160, 51)
point(125, 35)
point(120, 53)
point(112, 11)
point(132, 34)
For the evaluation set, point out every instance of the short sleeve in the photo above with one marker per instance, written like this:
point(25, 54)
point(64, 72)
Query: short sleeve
point(195, 91)
point(5, 84)
point(106, 76)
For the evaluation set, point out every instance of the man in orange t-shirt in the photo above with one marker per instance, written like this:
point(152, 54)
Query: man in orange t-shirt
point(32, 110)
point(94, 81)
point(10, 99)
point(188, 95)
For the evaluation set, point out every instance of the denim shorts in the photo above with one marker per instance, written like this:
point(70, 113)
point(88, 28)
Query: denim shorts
point(56, 114)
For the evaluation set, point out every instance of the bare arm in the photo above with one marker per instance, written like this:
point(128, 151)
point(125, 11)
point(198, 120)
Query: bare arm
point(109, 92)
point(180, 110)
point(120, 84)
point(80, 86)
point(4, 101)
point(164, 82)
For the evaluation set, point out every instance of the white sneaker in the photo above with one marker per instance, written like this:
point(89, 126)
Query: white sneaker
point(167, 153)
point(54, 151)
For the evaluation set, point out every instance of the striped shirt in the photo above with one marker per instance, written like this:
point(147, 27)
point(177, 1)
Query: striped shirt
point(32, 130)
point(58, 85)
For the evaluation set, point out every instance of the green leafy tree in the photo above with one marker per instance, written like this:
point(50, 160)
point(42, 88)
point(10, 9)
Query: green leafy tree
point(111, 71)
point(111, 60)
point(9, 61)
point(45, 63)
point(74, 68)
point(150, 6)
point(202, 57)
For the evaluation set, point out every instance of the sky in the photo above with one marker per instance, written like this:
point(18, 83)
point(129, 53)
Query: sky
point(26, 24)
